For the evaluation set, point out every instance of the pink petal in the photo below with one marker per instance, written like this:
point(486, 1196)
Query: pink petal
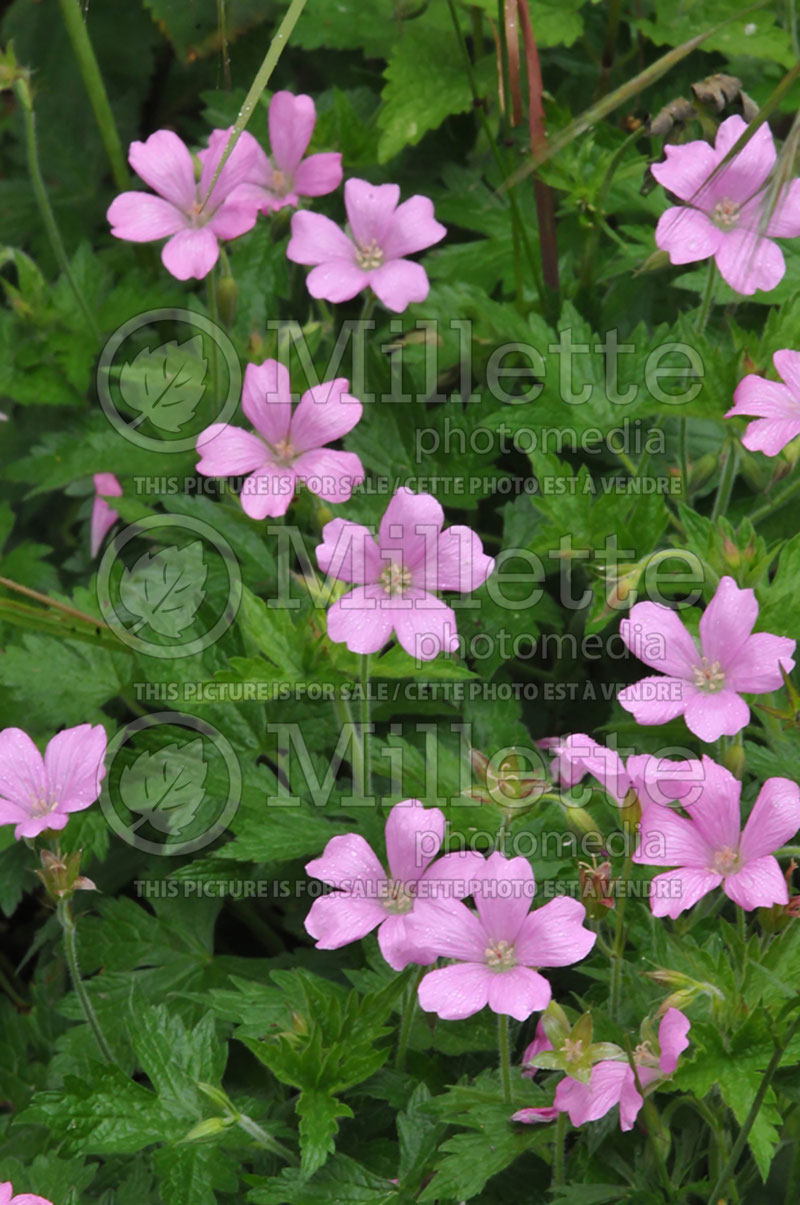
point(687, 235)
point(530, 1116)
point(140, 217)
point(329, 474)
point(759, 884)
point(414, 835)
point(361, 620)
point(757, 665)
point(348, 552)
point(715, 812)
point(228, 451)
point(606, 766)
point(727, 622)
point(672, 1038)
point(450, 928)
point(589, 1102)
point(425, 626)
point(234, 217)
point(325, 412)
point(711, 716)
point(268, 492)
point(748, 263)
point(317, 240)
point(346, 859)
point(787, 364)
point(774, 820)
point(338, 919)
point(398, 283)
point(666, 839)
point(399, 945)
point(291, 124)
point(13, 813)
point(412, 228)
point(745, 174)
point(451, 877)
point(686, 169)
point(165, 164)
point(103, 519)
point(660, 780)
point(769, 436)
point(22, 773)
point(26, 1198)
point(455, 992)
point(237, 170)
point(657, 637)
point(656, 699)
point(554, 935)
point(267, 400)
point(411, 525)
point(190, 253)
point(459, 562)
point(539, 1045)
point(319, 174)
point(370, 209)
point(503, 893)
point(337, 280)
point(677, 890)
point(107, 485)
point(74, 766)
point(518, 992)
point(765, 399)
point(784, 221)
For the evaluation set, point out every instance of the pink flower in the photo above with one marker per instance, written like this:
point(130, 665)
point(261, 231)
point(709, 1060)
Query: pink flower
point(177, 213)
point(37, 793)
point(612, 1082)
point(577, 755)
point(723, 216)
point(23, 1198)
point(660, 780)
point(540, 1043)
point(776, 406)
point(290, 447)
point(283, 179)
point(382, 233)
point(710, 848)
point(703, 686)
point(395, 577)
point(366, 897)
point(103, 516)
point(497, 949)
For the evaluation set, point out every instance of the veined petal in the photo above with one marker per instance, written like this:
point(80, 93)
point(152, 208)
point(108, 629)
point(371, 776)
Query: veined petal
point(398, 283)
point(319, 174)
point(759, 884)
point(727, 622)
point(774, 820)
point(267, 493)
point(346, 859)
point(758, 662)
point(686, 169)
point(291, 124)
point(267, 400)
point(164, 163)
point(329, 474)
point(412, 228)
point(190, 253)
point(687, 234)
point(228, 451)
point(325, 412)
point(555, 935)
point(22, 773)
point(657, 637)
point(348, 552)
point(459, 562)
point(672, 1038)
point(139, 217)
point(678, 890)
point(518, 992)
point(414, 836)
point(455, 992)
point(503, 894)
point(747, 262)
point(745, 174)
point(410, 526)
point(425, 626)
point(656, 699)
point(74, 766)
point(711, 716)
point(370, 209)
point(337, 280)
point(338, 919)
point(667, 839)
point(361, 620)
point(317, 240)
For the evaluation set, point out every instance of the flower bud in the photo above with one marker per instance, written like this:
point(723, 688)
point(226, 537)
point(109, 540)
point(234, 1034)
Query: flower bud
point(734, 760)
point(227, 293)
point(209, 1128)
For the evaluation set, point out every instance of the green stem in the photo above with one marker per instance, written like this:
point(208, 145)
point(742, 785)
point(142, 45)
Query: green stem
point(25, 99)
point(769, 508)
point(615, 986)
point(504, 1051)
point(213, 313)
point(725, 487)
point(708, 293)
point(265, 1140)
point(365, 724)
point(258, 85)
point(345, 717)
point(749, 1121)
point(559, 1161)
point(409, 1012)
point(741, 924)
point(683, 438)
point(95, 88)
point(67, 921)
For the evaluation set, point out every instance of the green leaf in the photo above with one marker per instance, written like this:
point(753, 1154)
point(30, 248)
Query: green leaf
point(319, 1113)
point(165, 589)
point(425, 84)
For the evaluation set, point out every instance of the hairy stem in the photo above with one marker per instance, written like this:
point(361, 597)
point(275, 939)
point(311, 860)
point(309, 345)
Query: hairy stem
point(504, 1051)
point(67, 922)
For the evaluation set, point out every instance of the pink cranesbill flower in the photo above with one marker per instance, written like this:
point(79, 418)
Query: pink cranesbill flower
point(663, 780)
point(774, 404)
point(179, 212)
point(373, 255)
point(103, 516)
point(22, 1198)
point(577, 755)
point(723, 217)
point(612, 1081)
point(289, 447)
point(498, 949)
point(38, 793)
point(710, 848)
point(366, 897)
point(395, 577)
point(705, 685)
point(283, 177)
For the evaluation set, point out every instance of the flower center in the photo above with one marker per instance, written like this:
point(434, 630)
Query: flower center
point(709, 676)
point(643, 1056)
point(284, 452)
point(725, 214)
point(395, 578)
point(500, 956)
point(572, 1049)
point(197, 217)
point(369, 256)
point(280, 183)
point(397, 900)
point(725, 861)
point(42, 807)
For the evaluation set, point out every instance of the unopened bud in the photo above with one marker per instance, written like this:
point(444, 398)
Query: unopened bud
point(209, 1128)
point(734, 760)
point(227, 293)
